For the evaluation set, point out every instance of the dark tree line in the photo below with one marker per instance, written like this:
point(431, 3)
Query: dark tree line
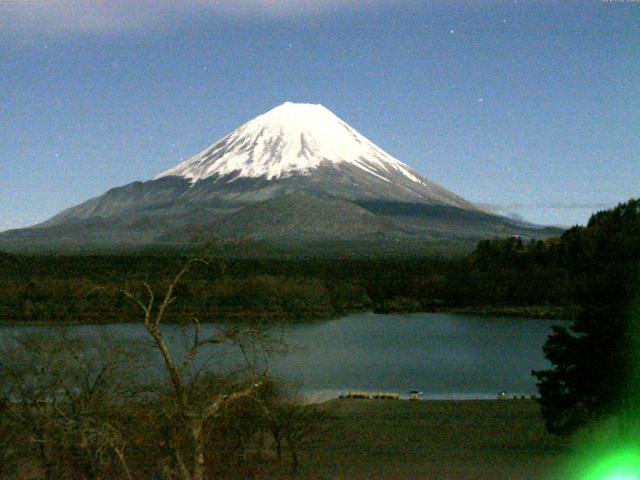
point(596, 360)
point(86, 289)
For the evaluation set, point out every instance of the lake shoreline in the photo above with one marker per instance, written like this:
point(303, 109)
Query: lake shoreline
point(532, 312)
point(535, 312)
point(443, 355)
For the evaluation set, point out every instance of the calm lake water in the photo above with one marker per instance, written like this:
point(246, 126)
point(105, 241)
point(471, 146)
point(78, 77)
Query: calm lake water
point(442, 355)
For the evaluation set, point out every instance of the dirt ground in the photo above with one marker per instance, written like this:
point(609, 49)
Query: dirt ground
point(395, 439)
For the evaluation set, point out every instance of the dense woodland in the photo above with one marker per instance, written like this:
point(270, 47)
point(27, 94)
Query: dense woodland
point(88, 288)
point(532, 278)
point(596, 361)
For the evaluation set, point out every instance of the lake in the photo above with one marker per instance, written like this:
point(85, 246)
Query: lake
point(443, 355)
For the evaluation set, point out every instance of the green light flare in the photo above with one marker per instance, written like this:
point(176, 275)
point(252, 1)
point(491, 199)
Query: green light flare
point(633, 333)
point(620, 465)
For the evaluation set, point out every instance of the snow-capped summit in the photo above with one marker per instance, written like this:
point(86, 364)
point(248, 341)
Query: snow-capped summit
point(291, 139)
point(295, 172)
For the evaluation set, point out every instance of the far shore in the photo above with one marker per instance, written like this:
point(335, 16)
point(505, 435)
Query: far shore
point(541, 312)
point(510, 312)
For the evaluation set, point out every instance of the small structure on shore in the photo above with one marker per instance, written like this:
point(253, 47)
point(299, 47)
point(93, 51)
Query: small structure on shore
point(515, 396)
point(370, 395)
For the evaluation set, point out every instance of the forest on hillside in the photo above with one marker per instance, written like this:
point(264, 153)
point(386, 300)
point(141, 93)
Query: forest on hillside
point(532, 278)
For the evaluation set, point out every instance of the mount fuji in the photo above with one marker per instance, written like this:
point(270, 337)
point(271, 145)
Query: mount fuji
point(296, 172)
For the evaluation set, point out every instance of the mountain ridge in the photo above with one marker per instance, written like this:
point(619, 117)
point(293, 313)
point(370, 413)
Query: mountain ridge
point(297, 171)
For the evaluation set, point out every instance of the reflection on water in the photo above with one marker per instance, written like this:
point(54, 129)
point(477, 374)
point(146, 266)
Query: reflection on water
point(444, 356)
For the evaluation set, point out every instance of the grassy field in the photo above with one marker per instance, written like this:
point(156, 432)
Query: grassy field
point(392, 439)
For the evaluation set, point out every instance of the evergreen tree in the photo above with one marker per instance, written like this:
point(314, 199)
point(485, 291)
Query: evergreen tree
point(593, 360)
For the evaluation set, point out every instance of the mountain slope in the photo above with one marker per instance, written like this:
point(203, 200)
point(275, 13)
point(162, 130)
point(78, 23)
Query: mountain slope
point(295, 172)
point(296, 216)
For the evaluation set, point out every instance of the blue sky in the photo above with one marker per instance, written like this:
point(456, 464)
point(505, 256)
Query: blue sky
point(532, 107)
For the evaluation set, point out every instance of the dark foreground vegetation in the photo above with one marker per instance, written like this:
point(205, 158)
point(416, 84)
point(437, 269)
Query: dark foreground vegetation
point(74, 409)
point(74, 406)
point(106, 429)
point(596, 362)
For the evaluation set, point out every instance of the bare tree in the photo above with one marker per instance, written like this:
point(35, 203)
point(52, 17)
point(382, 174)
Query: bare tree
point(81, 406)
point(290, 421)
point(194, 407)
point(61, 391)
point(8, 441)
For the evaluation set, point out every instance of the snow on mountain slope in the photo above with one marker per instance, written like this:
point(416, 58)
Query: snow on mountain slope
point(295, 172)
point(291, 139)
